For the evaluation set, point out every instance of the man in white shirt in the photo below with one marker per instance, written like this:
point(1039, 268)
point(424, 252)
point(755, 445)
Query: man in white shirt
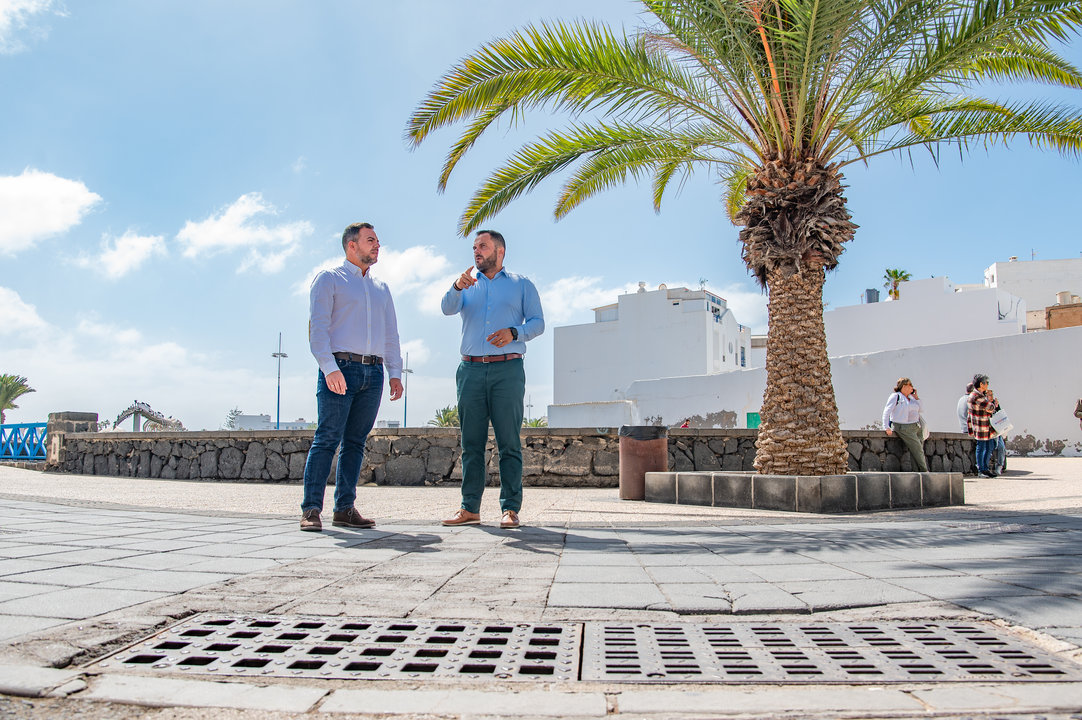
point(353, 334)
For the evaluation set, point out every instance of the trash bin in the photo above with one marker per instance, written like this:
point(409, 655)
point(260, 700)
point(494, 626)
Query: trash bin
point(643, 449)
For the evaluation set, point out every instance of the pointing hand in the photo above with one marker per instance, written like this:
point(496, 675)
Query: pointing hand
point(466, 279)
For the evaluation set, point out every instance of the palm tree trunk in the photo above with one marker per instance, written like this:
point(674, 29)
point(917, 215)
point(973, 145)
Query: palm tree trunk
point(798, 432)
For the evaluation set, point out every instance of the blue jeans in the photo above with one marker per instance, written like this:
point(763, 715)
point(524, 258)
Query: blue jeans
point(346, 420)
point(985, 449)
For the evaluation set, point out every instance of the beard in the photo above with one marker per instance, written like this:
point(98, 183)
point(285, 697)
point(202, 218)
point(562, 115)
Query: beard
point(484, 264)
point(369, 259)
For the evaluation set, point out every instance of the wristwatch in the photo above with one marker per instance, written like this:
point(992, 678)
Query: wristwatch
point(514, 334)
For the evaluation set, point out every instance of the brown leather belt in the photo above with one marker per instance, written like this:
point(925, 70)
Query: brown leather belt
point(362, 359)
point(491, 358)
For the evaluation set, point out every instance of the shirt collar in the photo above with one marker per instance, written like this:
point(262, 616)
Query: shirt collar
point(354, 269)
point(502, 271)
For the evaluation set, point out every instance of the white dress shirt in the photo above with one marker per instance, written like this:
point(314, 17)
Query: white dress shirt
point(901, 409)
point(352, 312)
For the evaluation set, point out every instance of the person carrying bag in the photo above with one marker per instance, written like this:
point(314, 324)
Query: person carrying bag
point(902, 415)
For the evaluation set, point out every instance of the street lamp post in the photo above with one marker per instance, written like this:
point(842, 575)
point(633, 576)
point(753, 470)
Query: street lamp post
point(279, 355)
point(406, 372)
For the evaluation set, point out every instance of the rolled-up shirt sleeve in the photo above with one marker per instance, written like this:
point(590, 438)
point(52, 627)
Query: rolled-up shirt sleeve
point(321, 306)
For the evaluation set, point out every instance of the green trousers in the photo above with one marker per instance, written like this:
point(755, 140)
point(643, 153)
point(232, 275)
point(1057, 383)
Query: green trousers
point(491, 392)
point(909, 433)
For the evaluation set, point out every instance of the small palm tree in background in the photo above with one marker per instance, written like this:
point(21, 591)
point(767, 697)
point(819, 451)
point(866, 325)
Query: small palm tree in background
point(446, 417)
point(12, 387)
point(894, 278)
point(536, 422)
point(775, 97)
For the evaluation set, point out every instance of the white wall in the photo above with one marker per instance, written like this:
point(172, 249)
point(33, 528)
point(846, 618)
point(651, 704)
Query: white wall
point(1036, 281)
point(1035, 376)
point(928, 312)
point(661, 333)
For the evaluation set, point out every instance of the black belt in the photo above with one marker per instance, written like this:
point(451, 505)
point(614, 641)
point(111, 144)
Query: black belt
point(491, 358)
point(362, 359)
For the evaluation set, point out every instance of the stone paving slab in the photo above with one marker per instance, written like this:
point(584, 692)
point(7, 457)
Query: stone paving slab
point(1016, 558)
point(529, 703)
point(30, 681)
point(169, 692)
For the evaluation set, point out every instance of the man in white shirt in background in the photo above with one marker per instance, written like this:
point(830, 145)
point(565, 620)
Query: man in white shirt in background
point(353, 334)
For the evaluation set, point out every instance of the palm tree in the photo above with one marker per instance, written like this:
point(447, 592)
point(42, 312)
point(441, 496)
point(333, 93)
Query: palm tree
point(537, 422)
point(12, 387)
point(776, 97)
point(894, 278)
point(446, 417)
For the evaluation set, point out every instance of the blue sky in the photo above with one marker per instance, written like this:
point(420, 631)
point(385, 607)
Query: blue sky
point(172, 173)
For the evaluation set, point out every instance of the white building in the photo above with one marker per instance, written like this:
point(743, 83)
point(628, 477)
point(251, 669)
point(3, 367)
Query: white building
point(264, 422)
point(937, 333)
point(1039, 282)
point(596, 362)
point(927, 312)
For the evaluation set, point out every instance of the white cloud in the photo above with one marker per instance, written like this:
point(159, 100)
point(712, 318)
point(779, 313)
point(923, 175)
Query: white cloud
point(37, 205)
point(120, 256)
point(93, 329)
point(17, 316)
point(748, 304)
point(569, 299)
point(236, 228)
point(299, 165)
point(419, 270)
point(304, 285)
point(22, 15)
point(418, 352)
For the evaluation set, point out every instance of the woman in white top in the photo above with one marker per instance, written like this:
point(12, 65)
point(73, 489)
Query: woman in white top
point(902, 416)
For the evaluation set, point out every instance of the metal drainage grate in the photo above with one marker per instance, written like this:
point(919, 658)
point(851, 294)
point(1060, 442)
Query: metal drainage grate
point(278, 646)
point(813, 653)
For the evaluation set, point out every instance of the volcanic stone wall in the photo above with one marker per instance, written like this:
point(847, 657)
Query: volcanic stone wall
point(555, 457)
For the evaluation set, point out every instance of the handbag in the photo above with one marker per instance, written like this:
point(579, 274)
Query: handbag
point(925, 433)
point(1001, 423)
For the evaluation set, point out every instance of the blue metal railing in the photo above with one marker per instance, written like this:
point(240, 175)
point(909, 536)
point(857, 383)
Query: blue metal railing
point(22, 441)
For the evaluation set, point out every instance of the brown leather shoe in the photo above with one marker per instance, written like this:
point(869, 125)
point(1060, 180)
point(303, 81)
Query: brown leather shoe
point(464, 517)
point(509, 519)
point(310, 521)
point(351, 518)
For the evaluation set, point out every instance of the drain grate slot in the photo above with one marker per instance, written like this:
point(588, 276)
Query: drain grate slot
point(353, 648)
point(804, 653)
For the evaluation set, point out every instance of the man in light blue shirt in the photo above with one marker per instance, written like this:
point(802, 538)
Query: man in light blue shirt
point(500, 311)
point(353, 334)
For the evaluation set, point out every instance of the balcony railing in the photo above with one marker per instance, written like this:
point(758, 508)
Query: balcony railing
point(22, 441)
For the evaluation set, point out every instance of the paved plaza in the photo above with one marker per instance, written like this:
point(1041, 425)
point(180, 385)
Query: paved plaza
point(89, 565)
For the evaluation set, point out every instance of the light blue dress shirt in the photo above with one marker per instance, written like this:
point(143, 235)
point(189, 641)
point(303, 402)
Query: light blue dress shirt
point(507, 300)
point(352, 312)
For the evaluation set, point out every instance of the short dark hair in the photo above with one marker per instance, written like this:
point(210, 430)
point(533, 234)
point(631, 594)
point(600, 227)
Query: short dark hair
point(969, 387)
point(902, 382)
point(353, 231)
point(496, 237)
point(978, 379)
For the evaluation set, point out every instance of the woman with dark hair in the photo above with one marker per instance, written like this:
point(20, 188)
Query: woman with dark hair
point(902, 416)
point(981, 408)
